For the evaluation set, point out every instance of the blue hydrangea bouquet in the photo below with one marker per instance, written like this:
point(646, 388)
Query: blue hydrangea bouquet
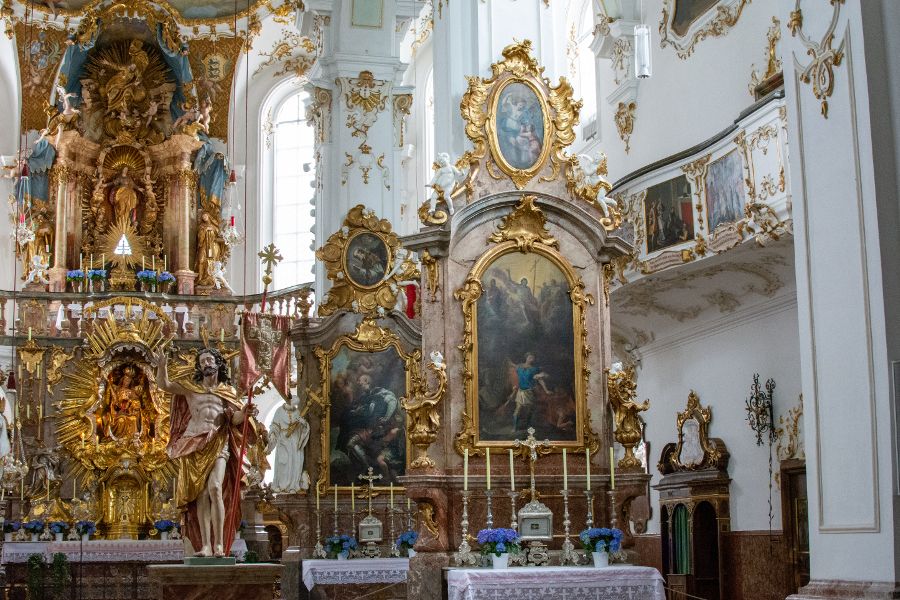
point(601, 539)
point(499, 541)
point(85, 528)
point(341, 545)
point(407, 540)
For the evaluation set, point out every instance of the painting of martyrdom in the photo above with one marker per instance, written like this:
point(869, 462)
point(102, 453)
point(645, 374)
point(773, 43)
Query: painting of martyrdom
point(688, 11)
point(668, 214)
point(128, 408)
point(367, 259)
point(519, 125)
point(368, 425)
point(526, 361)
point(725, 190)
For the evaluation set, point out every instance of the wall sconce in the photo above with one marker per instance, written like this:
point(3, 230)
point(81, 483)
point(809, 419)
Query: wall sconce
point(760, 411)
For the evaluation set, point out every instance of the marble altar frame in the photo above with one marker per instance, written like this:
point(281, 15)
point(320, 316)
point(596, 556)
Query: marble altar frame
point(368, 337)
point(522, 230)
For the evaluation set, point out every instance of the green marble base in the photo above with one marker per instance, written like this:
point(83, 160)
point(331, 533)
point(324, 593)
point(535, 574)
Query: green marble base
point(207, 561)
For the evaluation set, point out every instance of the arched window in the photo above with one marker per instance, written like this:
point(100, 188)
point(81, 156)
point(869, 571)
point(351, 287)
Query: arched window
point(293, 177)
point(428, 125)
point(582, 62)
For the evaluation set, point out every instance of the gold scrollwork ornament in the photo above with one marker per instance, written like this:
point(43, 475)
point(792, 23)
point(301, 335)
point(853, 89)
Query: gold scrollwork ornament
point(423, 416)
point(622, 389)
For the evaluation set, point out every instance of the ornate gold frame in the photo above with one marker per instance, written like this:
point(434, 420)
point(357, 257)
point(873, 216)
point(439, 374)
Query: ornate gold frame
point(703, 416)
point(523, 230)
point(368, 337)
point(348, 294)
point(479, 110)
point(714, 22)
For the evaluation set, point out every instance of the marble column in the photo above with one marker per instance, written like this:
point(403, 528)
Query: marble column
point(842, 85)
point(355, 111)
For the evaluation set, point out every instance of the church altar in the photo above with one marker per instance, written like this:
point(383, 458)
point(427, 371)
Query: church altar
point(355, 571)
point(105, 550)
point(561, 583)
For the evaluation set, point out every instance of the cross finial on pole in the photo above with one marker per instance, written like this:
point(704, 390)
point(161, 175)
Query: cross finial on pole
point(270, 256)
point(532, 448)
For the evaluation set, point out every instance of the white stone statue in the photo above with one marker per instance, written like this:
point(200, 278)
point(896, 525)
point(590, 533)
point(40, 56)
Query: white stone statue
point(38, 271)
point(593, 178)
point(446, 176)
point(68, 109)
point(218, 276)
point(288, 436)
point(437, 358)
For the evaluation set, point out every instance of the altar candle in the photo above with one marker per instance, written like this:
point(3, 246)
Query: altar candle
point(102, 260)
point(612, 468)
point(153, 263)
point(466, 470)
point(512, 473)
point(92, 260)
point(222, 335)
point(165, 262)
point(408, 505)
point(352, 497)
point(143, 264)
point(392, 494)
point(22, 490)
point(587, 477)
point(487, 467)
point(565, 472)
point(48, 487)
point(29, 334)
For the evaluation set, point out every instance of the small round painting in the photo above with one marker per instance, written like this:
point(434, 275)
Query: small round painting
point(519, 125)
point(366, 259)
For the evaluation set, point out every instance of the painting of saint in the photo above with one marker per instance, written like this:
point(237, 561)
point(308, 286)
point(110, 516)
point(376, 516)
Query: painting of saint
point(367, 259)
point(668, 214)
point(526, 363)
point(725, 190)
point(688, 11)
point(519, 125)
point(367, 423)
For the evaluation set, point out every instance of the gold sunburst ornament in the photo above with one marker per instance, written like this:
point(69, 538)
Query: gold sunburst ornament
point(124, 248)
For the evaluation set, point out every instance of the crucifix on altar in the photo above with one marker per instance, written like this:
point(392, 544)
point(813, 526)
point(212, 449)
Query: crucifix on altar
point(371, 528)
point(535, 520)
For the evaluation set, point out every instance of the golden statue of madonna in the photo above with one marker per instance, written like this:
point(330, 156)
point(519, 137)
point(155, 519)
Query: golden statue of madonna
point(127, 404)
point(123, 198)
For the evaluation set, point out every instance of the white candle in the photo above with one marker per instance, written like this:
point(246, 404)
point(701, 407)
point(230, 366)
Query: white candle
point(587, 478)
point(487, 467)
point(466, 470)
point(612, 468)
point(29, 334)
point(392, 494)
point(352, 497)
point(512, 473)
point(565, 472)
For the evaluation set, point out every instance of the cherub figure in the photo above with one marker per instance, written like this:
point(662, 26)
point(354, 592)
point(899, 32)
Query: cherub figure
point(68, 109)
point(437, 358)
point(204, 117)
point(191, 115)
point(218, 276)
point(151, 111)
point(38, 271)
point(446, 177)
point(592, 180)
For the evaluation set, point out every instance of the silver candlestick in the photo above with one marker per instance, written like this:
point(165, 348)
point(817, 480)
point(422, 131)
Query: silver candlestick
point(589, 497)
point(394, 550)
point(568, 556)
point(514, 522)
point(613, 520)
point(464, 555)
point(319, 550)
point(488, 496)
point(336, 512)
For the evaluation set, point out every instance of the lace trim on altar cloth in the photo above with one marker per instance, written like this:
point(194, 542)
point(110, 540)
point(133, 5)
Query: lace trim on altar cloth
point(354, 571)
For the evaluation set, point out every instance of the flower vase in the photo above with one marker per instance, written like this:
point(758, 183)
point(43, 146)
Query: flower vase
point(342, 556)
point(90, 285)
point(7, 537)
point(58, 537)
point(85, 537)
point(601, 559)
point(163, 535)
point(80, 286)
point(500, 562)
point(237, 534)
point(34, 537)
point(410, 552)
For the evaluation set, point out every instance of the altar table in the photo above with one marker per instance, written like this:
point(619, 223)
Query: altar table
point(354, 571)
point(560, 583)
point(147, 551)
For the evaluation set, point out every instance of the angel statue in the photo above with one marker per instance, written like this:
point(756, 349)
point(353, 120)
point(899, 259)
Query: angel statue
point(446, 177)
point(592, 181)
point(68, 109)
point(438, 359)
point(218, 276)
point(37, 272)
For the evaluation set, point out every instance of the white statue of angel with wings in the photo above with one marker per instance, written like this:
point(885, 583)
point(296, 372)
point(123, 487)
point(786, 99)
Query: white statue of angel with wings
point(446, 177)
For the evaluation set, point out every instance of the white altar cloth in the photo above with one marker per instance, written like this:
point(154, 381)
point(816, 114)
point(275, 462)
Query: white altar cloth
point(106, 550)
point(559, 583)
point(356, 570)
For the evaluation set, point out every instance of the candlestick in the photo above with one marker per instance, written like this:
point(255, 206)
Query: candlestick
point(565, 472)
point(587, 478)
point(318, 550)
point(466, 470)
point(48, 487)
point(318, 497)
point(514, 522)
point(487, 467)
point(613, 519)
point(589, 520)
point(392, 494)
point(612, 468)
point(335, 498)
point(490, 515)
point(512, 473)
point(335, 515)
point(22, 490)
point(568, 555)
point(464, 555)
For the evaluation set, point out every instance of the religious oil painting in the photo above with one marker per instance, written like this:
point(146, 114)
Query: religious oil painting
point(367, 424)
point(688, 11)
point(519, 125)
point(525, 358)
point(669, 214)
point(725, 190)
point(366, 259)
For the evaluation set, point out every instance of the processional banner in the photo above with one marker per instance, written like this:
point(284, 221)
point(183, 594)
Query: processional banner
point(266, 350)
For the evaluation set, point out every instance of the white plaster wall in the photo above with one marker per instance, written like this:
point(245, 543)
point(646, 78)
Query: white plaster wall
point(9, 130)
point(719, 365)
point(688, 100)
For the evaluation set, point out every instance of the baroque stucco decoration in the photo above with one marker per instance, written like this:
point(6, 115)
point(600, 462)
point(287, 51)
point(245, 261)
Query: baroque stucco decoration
point(820, 70)
point(715, 22)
